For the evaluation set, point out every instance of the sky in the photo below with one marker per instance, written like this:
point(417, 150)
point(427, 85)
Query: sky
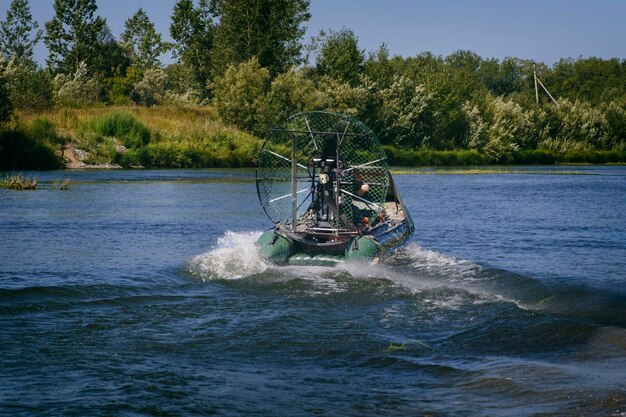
point(540, 30)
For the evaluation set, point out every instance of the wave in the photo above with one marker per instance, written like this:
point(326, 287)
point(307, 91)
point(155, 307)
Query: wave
point(442, 280)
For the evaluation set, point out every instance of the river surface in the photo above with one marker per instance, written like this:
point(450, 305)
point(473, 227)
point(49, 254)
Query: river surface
point(140, 293)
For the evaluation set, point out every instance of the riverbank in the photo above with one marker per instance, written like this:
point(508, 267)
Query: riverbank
point(113, 137)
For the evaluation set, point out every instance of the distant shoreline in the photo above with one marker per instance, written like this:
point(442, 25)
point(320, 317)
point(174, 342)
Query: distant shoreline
point(118, 137)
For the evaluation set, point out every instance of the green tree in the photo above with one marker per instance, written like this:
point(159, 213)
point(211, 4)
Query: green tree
point(270, 30)
point(594, 80)
point(151, 88)
point(450, 88)
point(193, 31)
point(183, 87)
point(289, 93)
point(121, 85)
point(78, 88)
point(466, 60)
point(142, 42)
point(239, 95)
point(378, 67)
point(16, 33)
point(407, 114)
point(74, 35)
point(506, 77)
point(28, 87)
point(340, 57)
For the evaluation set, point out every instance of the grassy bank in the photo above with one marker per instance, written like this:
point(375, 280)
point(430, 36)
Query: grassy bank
point(129, 136)
point(193, 137)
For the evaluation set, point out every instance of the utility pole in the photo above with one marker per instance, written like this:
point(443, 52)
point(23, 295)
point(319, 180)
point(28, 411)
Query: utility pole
point(537, 80)
point(536, 89)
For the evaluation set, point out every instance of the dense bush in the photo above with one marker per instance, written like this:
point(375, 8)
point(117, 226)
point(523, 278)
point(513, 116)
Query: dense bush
point(44, 130)
point(500, 127)
point(185, 155)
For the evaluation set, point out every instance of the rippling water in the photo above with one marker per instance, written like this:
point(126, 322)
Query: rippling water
point(140, 293)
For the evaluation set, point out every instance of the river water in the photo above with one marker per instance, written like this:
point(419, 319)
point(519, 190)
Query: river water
point(140, 293)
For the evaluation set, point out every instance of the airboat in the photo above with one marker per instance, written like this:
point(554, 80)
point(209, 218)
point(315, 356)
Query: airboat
point(323, 180)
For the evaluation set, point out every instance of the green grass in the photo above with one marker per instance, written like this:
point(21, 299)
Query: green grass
point(121, 125)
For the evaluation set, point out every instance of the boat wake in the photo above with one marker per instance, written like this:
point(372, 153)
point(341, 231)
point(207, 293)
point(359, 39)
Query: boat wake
point(444, 281)
point(413, 269)
point(236, 256)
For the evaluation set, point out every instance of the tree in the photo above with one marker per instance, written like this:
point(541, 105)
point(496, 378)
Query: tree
point(76, 35)
point(615, 114)
point(378, 68)
point(240, 94)
point(593, 79)
point(121, 85)
point(407, 114)
point(78, 88)
point(28, 87)
point(270, 30)
point(151, 89)
point(141, 41)
point(504, 78)
point(449, 88)
point(340, 57)
point(193, 30)
point(16, 39)
point(289, 93)
point(466, 60)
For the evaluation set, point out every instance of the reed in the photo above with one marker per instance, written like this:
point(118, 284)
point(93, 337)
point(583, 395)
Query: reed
point(61, 185)
point(18, 182)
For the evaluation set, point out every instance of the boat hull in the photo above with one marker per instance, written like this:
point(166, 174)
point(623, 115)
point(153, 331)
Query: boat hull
point(284, 248)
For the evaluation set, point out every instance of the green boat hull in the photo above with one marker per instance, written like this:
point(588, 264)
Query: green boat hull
point(282, 248)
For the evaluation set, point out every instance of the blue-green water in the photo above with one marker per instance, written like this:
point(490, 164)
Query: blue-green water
point(140, 293)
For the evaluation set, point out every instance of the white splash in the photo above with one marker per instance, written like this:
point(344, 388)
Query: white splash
point(414, 268)
point(235, 256)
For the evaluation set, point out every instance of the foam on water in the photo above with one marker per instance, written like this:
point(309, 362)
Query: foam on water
point(453, 282)
point(235, 256)
point(414, 268)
